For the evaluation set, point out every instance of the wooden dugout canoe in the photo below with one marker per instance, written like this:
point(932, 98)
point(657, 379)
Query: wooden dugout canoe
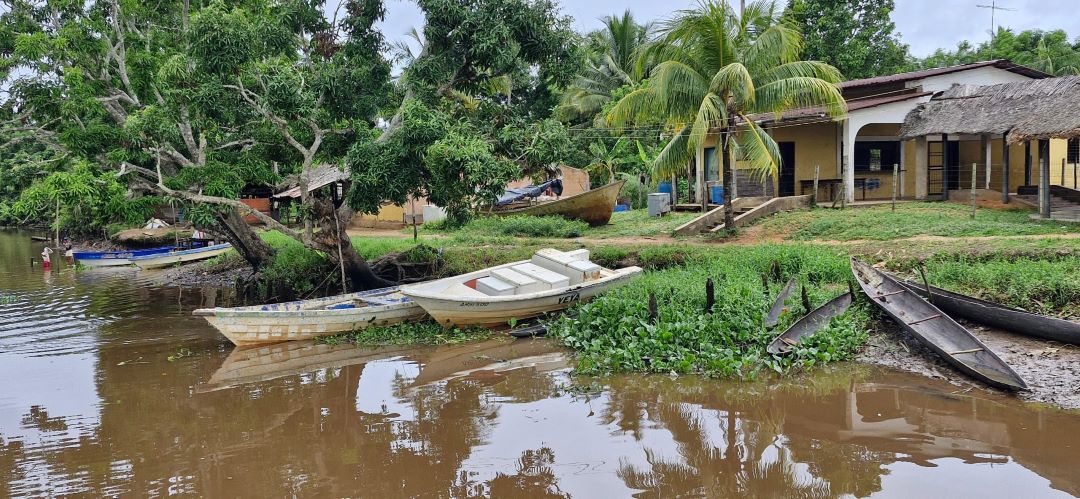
point(999, 316)
point(309, 319)
point(936, 330)
point(593, 207)
point(157, 261)
point(457, 301)
point(809, 324)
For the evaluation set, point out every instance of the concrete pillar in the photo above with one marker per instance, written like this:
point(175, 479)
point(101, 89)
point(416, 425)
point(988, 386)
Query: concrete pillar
point(849, 160)
point(922, 157)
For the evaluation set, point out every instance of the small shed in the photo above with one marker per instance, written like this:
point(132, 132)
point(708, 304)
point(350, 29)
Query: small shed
point(1022, 112)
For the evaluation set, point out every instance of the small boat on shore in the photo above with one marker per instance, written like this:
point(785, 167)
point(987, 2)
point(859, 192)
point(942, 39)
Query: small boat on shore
point(173, 257)
point(115, 258)
point(999, 316)
point(593, 207)
point(552, 280)
point(935, 329)
point(809, 324)
point(309, 319)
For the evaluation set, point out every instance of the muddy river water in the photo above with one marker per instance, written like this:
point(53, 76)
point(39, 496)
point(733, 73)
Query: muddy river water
point(108, 387)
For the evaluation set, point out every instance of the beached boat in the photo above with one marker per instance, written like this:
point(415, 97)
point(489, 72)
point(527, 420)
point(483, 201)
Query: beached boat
point(115, 258)
point(935, 329)
point(809, 324)
point(552, 280)
point(173, 257)
point(594, 207)
point(308, 319)
point(999, 316)
point(772, 318)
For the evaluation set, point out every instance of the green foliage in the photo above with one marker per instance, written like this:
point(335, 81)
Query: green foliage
point(856, 37)
point(1048, 51)
point(86, 199)
point(910, 219)
point(412, 333)
point(303, 269)
point(613, 332)
point(716, 66)
point(520, 226)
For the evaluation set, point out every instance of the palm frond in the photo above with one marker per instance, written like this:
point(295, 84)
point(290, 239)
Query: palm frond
point(758, 148)
point(711, 113)
point(675, 155)
point(800, 92)
point(679, 87)
point(808, 69)
point(736, 80)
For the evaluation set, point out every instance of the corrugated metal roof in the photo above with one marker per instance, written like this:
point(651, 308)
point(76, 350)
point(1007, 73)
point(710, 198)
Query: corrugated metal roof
point(323, 174)
point(926, 73)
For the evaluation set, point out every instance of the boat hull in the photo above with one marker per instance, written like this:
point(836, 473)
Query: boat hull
point(309, 319)
point(498, 311)
point(115, 258)
point(593, 207)
point(999, 316)
point(177, 257)
point(809, 324)
point(936, 330)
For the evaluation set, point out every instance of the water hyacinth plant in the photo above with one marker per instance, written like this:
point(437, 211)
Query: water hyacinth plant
point(615, 332)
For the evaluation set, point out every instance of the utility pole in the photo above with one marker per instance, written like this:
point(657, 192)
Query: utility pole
point(993, 10)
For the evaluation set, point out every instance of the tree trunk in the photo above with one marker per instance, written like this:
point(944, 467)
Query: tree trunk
point(244, 239)
point(332, 232)
point(729, 211)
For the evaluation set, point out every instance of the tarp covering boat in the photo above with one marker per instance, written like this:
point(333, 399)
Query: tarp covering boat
point(529, 191)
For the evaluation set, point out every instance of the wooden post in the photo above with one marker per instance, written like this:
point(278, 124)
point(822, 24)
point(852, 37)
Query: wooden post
point(710, 296)
point(1062, 172)
point(895, 172)
point(1005, 165)
point(974, 183)
point(652, 308)
point(817, 174)
point(843, 196)
point(1027, 163)
point(58, 222)
point(1074, 177)
point(1044, 178)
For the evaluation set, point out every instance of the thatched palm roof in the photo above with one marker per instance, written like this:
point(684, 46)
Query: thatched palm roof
point(1027, 110)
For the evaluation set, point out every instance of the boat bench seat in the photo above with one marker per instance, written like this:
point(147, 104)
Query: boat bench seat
point(573, 264)
point(550, 279)
point(522, 283)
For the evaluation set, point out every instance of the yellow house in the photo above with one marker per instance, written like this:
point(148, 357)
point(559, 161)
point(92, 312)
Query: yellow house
point(854, 156)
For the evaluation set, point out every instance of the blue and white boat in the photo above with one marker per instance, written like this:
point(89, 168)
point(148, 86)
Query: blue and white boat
point(170, 258)
point(115, 258)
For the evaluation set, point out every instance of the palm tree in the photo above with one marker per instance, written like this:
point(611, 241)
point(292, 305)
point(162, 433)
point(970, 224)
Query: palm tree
point(612, 63)
point(718, 70)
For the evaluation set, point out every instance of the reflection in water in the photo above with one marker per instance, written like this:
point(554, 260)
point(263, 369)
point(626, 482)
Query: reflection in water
point(98, 409)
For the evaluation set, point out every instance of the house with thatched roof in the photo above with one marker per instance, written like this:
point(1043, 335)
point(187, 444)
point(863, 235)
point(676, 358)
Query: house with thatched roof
point(854, 155)
point(1038, 112)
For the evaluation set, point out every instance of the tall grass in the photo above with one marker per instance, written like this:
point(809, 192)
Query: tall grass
point(517, 226)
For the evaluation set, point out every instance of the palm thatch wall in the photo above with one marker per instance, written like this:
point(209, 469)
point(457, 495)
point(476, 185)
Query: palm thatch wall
point(1028, 110)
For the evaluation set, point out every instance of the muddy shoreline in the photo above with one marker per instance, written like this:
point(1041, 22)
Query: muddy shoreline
point(1051, 369)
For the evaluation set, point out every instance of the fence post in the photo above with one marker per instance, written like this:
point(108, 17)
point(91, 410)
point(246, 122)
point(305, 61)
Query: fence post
point(817, 173)
point(1063, 172)
point(895, 172)
point(974, 180)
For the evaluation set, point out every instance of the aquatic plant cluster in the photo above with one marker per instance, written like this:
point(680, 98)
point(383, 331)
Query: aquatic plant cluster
point(426, 332)
point(615, 332)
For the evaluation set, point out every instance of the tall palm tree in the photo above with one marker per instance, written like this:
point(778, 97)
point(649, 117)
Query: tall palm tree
point(719, 69)
point(612, 63)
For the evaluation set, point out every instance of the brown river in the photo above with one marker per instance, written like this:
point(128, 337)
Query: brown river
point(111, 388)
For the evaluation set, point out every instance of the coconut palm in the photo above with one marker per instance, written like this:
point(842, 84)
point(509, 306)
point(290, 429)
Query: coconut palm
point(718, 70)
point(613, 54)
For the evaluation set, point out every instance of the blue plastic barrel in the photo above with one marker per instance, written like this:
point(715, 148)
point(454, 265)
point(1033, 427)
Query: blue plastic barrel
point(622, 207)
point(717, 194)
point(665, 187)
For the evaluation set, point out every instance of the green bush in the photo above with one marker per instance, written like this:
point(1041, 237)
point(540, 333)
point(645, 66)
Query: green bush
point(526, 226)
point(613, 333)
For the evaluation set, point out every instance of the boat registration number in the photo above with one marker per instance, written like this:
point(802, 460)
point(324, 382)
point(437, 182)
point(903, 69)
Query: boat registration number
point(569, 298)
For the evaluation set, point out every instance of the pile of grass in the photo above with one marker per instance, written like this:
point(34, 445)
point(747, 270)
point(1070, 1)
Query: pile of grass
point(880, 223)
point(637, 223)
point(613, 333)
point(413, 333)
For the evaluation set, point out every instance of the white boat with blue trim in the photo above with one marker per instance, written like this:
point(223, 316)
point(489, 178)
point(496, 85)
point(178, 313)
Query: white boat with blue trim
point(309, 319)
point(160, 260)
point(551, 280)
point(115, 258)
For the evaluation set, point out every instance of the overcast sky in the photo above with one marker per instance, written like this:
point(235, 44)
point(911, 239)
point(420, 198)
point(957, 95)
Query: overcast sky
point(923, 24)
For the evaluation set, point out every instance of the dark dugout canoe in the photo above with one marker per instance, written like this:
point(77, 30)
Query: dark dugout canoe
point(593, 207)
point(999, 316)
point(935, 329)
point(809, 324)
point(773, 317)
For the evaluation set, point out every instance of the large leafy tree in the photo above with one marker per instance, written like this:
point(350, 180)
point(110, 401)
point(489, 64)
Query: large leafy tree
point(476, 108)
point(718, 70)
point(195, 100)
point(855, 36)
point(1049, 51)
